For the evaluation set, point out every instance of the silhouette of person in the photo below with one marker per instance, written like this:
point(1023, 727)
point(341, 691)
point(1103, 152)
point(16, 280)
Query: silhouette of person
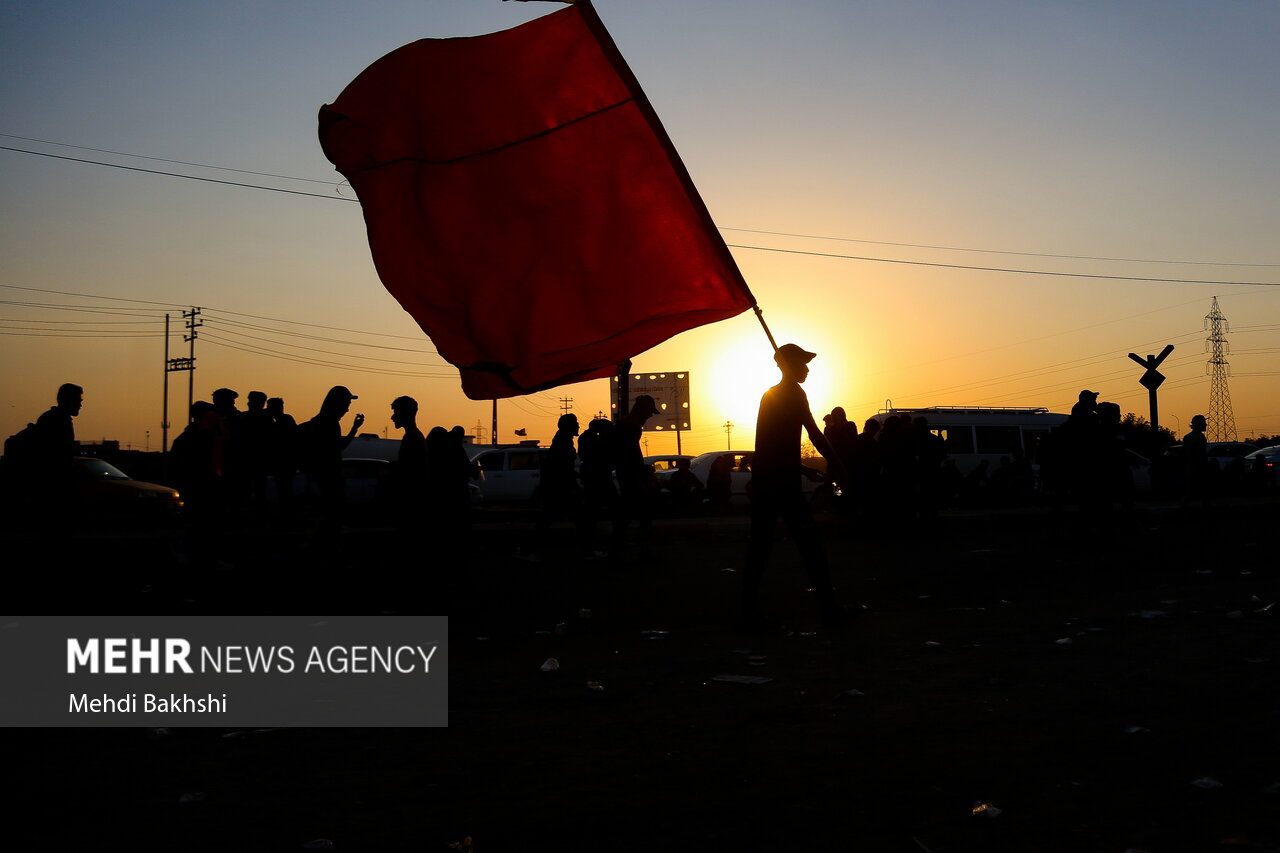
point(843, 438)
point(43, 450)
point(868, 470)
point(558, 493)
point(1078, 439)
point(57, 431)
point(250, 443)
point(1112, 465)
point(282, 461)
point(1086, 407)
point(462, 472)
point(447, 503)
point(221, 422)
point(720, 482)
point(897, 470)
point(776, 488)
point(191, 456)
point(930, 450)
point(595, 454)
point(633, 474)
point(320, 445)
point(41, 457)
point(1195, 449)
point(409, 480)
point(685, 488)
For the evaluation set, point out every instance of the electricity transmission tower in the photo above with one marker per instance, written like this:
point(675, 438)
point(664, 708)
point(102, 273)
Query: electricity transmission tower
point(1222, 422)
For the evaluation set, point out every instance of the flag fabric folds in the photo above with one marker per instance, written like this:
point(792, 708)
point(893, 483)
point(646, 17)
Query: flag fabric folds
point(525, 206)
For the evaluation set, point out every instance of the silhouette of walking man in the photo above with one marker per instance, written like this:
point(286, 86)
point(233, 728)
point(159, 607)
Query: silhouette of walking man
point(776, 488)
point(1196, 450)
point(633, 474)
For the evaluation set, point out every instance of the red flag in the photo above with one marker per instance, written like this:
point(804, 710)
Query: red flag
point(526, 207)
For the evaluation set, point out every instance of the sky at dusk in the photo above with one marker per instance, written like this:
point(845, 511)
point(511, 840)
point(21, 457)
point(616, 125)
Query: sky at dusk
point(895, 179)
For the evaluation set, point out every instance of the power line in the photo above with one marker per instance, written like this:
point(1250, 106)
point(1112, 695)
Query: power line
point(742, 246)
point(175, 174)
point(997, 251)
point(166, 160)
point(242, 325)
point(173, 307)
point(1004, 269)
point(82, 335)
point(255, 350)
point(339, 184)
point(323, 351)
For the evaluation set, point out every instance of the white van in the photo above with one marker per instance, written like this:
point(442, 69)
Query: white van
point(973, 434)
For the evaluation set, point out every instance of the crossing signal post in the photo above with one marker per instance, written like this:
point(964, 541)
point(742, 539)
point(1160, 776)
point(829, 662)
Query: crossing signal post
point(1152, 379)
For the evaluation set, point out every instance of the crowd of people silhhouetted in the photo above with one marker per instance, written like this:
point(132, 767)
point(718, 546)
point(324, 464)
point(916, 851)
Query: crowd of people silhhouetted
point(895, 473)
point(226, 459)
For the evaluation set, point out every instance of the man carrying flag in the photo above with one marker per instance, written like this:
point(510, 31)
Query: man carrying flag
point(776, 489)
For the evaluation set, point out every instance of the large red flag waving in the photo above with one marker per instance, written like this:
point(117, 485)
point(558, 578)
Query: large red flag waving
point(526, 207)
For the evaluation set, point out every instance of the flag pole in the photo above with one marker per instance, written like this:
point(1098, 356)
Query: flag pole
point(764, 325)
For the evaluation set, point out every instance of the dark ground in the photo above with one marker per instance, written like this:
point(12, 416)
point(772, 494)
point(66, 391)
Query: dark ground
point(1013, 659)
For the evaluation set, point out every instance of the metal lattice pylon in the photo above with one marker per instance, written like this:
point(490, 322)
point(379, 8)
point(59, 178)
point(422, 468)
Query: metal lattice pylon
point(1222, 423)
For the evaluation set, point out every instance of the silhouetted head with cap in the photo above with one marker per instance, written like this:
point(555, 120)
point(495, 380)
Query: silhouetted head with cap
point(224, 400)
point(793, 362)
point(337, 402)
point(644, 408)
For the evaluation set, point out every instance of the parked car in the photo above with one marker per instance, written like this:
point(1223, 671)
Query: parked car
point(366, 487)
point(1264, 464)
point(1170, 469)
point(738, 466)
point(104, 491)
point(508, 474)
point(664, 466)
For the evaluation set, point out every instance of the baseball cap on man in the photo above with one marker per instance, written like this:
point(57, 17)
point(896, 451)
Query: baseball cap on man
point(645, 404)
point(793, 354)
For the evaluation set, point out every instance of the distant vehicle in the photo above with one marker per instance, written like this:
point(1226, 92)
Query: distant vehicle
point(1265, 463)
point(368, 445)
point(1223, 452)
point(508, 474)
point(365, 482)
point(1219, 452)
point(738, 463)
point(107, 492)
point(664, 466)
point(1170, 468)
point(739, 468)
point(972, 434)
point(366, 486)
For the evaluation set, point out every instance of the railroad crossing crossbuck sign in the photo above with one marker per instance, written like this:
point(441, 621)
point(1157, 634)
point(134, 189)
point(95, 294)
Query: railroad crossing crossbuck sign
point(1152, 379)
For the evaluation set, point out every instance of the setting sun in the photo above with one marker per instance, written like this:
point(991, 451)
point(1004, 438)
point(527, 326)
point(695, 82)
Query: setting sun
point(743, 372)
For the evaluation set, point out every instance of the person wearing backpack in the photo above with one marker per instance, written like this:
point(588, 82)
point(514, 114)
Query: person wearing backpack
point(41, 453)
